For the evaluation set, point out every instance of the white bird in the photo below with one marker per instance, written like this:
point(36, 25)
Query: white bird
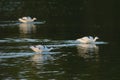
point(87, 40)
point(27, 19)
point(40, 48)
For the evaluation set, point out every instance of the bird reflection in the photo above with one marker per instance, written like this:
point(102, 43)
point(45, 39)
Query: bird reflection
point(88, 51)
point(41, 59)
point(26, 28)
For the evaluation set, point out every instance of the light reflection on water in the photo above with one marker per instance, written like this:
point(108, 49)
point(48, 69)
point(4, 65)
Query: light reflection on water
point(14, 23)
point(56, 44)
point(27, 28)
point(67, 58)
point(66, 21)
point(41, 59)
point(88, 51)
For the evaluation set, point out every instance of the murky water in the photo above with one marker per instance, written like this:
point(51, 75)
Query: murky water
point(58, 25)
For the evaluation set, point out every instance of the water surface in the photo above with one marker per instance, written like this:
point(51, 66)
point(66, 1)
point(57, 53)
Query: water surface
point(65, 21)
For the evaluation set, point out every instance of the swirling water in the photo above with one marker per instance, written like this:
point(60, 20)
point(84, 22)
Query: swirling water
point(59, 28)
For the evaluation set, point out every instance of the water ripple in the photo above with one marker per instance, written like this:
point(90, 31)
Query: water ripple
point(15, 55)
point(14, 23)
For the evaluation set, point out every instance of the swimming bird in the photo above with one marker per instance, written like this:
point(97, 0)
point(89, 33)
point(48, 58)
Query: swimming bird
point(27, 19)
point(40, 48)
point(87, 40)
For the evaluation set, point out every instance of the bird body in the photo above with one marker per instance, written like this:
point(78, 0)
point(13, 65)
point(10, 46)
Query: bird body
point(35, 49)
point(87, 40)
point(40, 48)
point(26, 19)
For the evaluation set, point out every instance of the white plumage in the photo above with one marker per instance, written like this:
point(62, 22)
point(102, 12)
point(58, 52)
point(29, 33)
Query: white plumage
point(40, 48)
point(26, 19)
point(87, 40)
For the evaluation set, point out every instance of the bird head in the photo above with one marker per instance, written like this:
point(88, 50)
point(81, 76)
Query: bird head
point(97, 37)
point(34, 18)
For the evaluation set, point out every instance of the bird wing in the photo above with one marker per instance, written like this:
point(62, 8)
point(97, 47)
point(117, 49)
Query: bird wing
point(85, 38)
point(29, 18)
point(35, 49)
point(91, 38)
point(25, 18)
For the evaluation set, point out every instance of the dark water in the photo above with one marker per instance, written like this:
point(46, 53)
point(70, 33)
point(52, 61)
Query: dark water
point(65, 21)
